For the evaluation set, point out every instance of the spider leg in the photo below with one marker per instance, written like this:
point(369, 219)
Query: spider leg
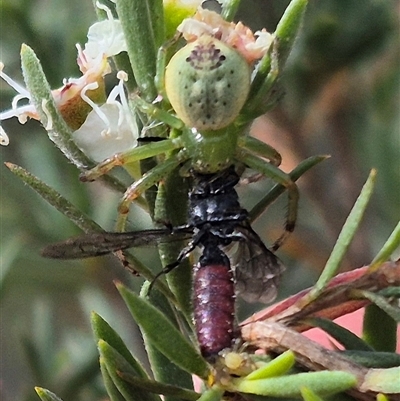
point(152, 177)
point(133, 155)
point(277, 175)
point(261, 149)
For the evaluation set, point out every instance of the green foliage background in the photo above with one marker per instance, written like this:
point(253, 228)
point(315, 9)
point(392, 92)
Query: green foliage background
point(341, 98)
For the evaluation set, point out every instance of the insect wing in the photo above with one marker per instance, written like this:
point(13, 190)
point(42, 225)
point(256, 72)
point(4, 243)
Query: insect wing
point(97, 244)
point(257, 269)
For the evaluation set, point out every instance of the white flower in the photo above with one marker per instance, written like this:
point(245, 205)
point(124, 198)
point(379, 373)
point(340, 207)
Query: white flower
point(23, 112)
point(108, 129)
point(238, 36)
point(105, 39)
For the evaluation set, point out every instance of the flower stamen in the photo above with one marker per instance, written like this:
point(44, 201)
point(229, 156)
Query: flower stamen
point(4, 140)
point(49, 124)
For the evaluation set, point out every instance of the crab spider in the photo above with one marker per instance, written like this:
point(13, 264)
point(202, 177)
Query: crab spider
point(207, 84)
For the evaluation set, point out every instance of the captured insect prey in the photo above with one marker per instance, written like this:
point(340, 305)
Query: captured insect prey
point(208, 84)
point(233, 260)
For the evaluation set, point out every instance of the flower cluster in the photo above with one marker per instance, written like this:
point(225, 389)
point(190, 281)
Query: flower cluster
point(251, 46)
point(104, 125)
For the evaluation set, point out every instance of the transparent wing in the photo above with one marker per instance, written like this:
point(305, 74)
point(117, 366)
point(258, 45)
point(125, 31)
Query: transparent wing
point(257, 270)
point(96, 244)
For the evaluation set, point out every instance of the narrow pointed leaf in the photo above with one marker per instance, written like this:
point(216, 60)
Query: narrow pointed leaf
point(382, 397)
point(373, 359)
point(138, 30)
point(164, 370)
point(112, 391)
point(103, 331)
point(288, 28)
point(277, 367)
point(229, 9)
point(55, 199)
point(171, 206)
point(272, 64)
point(345, 237)
point(177, 393)
point(50, 117)
point(382, 303)
point(156, 12)
point(309, 395)
point(46, 395)
point(323, 383)
point(382, 336)
point(213, 394)
point(388, 248)
point(345, 337)
point(171, 342)
point(116, 363)
point(121, 59)
point(382, 381)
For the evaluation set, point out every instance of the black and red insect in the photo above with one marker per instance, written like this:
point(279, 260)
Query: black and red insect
point(233, 260)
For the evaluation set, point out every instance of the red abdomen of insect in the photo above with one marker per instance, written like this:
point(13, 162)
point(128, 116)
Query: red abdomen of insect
point(214, 307)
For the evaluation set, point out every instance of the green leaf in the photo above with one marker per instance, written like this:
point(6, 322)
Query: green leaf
point(382, 303)
point(323, 383)
point(373, 359)
point(229, 9)
point(171, 392)
point(121, 59)
point(43, 101)
point(277, 367)
point(55, 199)
point(115, 363)
point(171, 206)
point(388, 248)
point(46, 395)
point(382, 381)
point(345, 237)
point(272, 64)
point(164, 370)
point(156, 11)
point(112, 390)
point(213, 394)
point(382, 397)
point(138, 30)
point(389, 292)
point(345, 337)
point(288, 28)
point(382, 336)
point(309, 395)
point(103, 331)
point(171, 343)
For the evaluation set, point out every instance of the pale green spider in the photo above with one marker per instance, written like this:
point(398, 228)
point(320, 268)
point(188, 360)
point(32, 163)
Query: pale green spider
point(207, 83)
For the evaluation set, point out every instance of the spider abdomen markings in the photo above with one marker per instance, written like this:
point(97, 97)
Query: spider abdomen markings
point(214, 307)
point(207, 83)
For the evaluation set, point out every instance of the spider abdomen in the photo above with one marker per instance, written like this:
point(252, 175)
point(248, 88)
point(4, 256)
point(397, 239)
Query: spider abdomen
point(207, 83)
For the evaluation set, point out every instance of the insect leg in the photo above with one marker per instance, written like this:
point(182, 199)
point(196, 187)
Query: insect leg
point(184, 253)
